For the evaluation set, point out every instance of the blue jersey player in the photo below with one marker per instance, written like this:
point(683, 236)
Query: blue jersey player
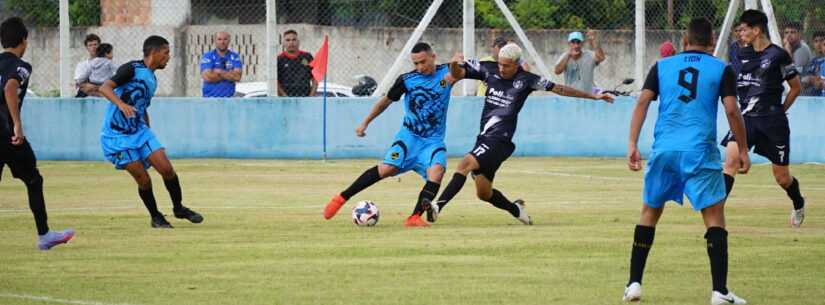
point(126, 139)
point(684, 159)
point(419, 145)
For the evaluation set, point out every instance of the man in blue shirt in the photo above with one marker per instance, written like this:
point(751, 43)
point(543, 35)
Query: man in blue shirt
point(419, 145)
point(684, 159)
point(220, 68)
point(126, 139)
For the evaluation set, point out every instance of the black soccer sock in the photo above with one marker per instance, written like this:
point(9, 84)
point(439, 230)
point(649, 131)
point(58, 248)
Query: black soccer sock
point(34, 187)
point(148, 198)
point(729, 180)
point(455, 185)
point(368, 178)
point(793, 192)
point(173, 186)
point(718, 253)
point(642, 242)
point(498, 200)
point(427, 194)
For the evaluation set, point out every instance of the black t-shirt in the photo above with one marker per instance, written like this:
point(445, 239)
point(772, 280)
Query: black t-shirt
point(294, 73)
point(759, 83)
point(504, 97)
point(12, 67)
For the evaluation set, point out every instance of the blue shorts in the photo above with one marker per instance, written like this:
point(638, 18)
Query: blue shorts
point(122, 150)
point(671, 175)
point(412, 152)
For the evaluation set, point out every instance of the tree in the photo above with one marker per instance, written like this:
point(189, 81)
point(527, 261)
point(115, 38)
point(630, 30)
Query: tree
point(45, 13)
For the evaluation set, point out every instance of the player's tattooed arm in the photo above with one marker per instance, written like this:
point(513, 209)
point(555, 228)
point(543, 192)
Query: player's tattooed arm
point(376, 110)
point(456, 70)
point(573, 92)
point(795, 88)
point(634, 158)
point(107, 90)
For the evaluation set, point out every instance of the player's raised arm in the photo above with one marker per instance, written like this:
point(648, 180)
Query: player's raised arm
point(456, 70)
point(573, 92)
point(13, 102)
point(634, 158)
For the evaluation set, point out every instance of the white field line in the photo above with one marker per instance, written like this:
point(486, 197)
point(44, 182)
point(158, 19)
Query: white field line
point(48, 299)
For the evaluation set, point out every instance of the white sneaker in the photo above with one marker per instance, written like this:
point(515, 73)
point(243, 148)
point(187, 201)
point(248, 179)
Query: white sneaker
point(717, 298)
point(633, 292)
point(432, 212)
point(522, 213)
point(797, 217)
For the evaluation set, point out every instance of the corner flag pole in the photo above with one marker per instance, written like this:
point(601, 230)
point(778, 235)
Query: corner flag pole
point(325, 117)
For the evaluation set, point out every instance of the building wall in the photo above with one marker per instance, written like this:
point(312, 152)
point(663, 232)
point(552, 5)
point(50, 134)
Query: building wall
point(69, 129)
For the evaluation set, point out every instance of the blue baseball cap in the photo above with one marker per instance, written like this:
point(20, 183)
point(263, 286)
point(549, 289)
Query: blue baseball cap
point(575, 36)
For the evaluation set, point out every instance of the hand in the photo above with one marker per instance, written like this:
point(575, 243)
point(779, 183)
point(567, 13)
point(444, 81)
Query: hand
point(458, 57)
point(450, 79)
point(744, 162)
point(605, 97)
point(18, 138)
point(128, 111)
point(360, 131)
point(573, 52)
point(89, 88)
point(634, 158)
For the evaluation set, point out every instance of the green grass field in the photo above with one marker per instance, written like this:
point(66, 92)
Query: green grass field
point(264, 240)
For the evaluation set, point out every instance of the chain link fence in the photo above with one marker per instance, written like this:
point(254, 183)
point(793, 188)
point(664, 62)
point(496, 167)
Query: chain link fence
point(366, 36)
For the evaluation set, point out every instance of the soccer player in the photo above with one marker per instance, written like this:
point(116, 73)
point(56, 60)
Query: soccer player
point(508, 87)
point(763, 67)
point(126, 139)
point(15, 151)
point(684, 159)
point(419, 145)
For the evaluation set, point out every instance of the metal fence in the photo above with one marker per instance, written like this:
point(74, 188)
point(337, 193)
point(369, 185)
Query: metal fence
point(367, 36)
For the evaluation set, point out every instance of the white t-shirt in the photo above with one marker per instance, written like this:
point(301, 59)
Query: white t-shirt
point(82, 71)
point(579, 72)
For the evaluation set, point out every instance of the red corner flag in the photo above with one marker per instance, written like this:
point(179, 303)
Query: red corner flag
point(319, 64)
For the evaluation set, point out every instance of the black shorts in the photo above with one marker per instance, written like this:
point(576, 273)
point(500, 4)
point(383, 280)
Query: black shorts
point(771, 135)
point(20, 159)
point(490, 153)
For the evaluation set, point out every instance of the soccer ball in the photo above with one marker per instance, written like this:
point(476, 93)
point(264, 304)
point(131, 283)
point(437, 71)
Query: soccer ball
point(365, 214)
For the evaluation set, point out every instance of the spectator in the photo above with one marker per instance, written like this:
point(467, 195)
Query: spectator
point(577, 64)
point(101, 67)
point(220, 68)
point(811, 81)
point(498, 43)
point(666, 49)
point(793, 43)
point(294, 72)
point(85, 89)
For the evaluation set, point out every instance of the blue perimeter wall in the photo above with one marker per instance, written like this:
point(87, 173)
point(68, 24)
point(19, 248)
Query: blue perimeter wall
point(69, 129)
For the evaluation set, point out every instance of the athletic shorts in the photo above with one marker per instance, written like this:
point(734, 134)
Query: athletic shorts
point(122, 150)
point(670, 175)
point(771, 135)
point(412, 152)
point(491, 153)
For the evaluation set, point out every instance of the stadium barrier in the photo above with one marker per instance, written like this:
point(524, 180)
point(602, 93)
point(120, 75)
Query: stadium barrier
point(292, 128)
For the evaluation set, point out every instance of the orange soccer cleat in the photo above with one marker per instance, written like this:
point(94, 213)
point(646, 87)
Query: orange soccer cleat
point(333, 206)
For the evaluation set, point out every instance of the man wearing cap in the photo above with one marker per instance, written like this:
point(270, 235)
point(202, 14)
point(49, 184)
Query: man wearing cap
point(500, 42)
point(578, 64)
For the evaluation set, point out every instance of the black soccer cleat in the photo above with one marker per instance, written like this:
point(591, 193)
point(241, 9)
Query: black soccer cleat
point(159, 222)
point(186, 213)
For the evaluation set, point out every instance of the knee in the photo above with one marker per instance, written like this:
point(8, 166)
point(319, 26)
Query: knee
point(34, 179)
point(144, 182)
point(385, 170)
point(783, 179)
point(484, 195)
point(166, 172)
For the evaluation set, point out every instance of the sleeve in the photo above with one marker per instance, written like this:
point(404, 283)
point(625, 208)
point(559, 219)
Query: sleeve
point(309, 59)
point(542, 84)
point(474, 70)
point(786, 66)
point(80, 70)
point(21, 73)
point(728, 85)
point(652, 80)
point(124, 74)
point(236, 61)
point(206, 62)
point(397, 90)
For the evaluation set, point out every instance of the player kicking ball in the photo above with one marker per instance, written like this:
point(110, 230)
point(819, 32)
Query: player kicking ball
point(15, 151)
point(508, 86)
point(419, 145)
point(126, 139)
point(684, 159)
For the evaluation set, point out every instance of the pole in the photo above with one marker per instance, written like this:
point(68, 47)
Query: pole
point(272, 42)
point(469, 39)
point(773, 28)
point(639, 72)
point(325, 117)
point(722, 41)
point(523, 38)
point(65, 51)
